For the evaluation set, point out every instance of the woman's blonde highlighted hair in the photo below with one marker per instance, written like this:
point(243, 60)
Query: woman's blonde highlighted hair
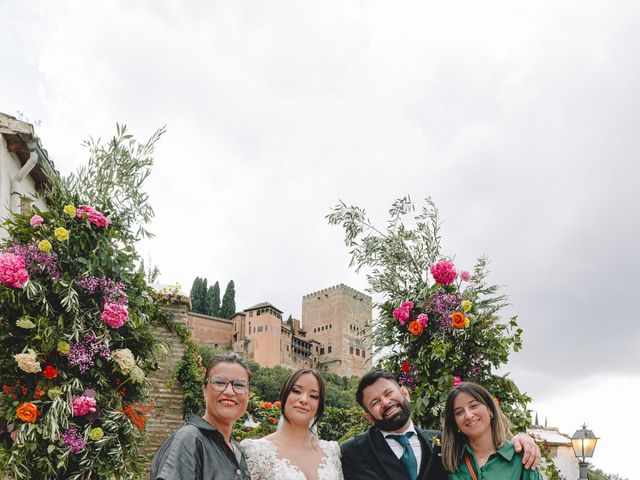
point(454, 441)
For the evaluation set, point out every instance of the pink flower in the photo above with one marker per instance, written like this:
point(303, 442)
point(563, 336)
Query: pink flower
point(423, 319)
point(456, 381)
point(465, 276)
point(114, 315)
point(443, 272)
point(12, 271)
point(83, 405)
point(403, 313)
point(95, 217)
point(36, 221)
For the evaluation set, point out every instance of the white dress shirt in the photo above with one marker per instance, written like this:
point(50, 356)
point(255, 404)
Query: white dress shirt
point(414, 442)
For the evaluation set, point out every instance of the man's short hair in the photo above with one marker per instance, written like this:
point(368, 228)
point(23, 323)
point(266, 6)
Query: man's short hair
point(370, 378)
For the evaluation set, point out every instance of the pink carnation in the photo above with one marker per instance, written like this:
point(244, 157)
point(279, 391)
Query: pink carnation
point(456, 381)
point(443, 272)
point(465, 276)
point(423, 319)
point(12, 271)
point(83, 405)
point(114, 315)
point(95, 217)
point(404, 312)
point(36, 221)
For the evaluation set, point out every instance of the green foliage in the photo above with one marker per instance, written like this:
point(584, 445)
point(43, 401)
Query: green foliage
point(198, 295)
point(547, 467)
point(266, 382)
point(113, 181)
point(397, 260)
point(212, 300)
point(340, 424)
point(56, 307)
point(228, 307)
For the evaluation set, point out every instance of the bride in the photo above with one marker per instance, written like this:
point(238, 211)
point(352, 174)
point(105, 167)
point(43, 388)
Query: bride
point(294, 452)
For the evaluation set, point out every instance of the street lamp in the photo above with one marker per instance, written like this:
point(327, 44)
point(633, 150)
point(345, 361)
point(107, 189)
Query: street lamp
point(584, 443)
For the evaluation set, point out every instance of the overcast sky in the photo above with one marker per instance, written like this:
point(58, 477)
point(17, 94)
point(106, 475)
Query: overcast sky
point(520, 120)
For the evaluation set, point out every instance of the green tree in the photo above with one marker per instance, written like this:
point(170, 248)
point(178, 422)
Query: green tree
point(266, 382)
point(212, 302)
point(438, 333)
point(202, 297)
point(228, 307)
point(195, 293)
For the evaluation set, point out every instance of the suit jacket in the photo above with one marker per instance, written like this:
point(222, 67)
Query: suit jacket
point(369, 457)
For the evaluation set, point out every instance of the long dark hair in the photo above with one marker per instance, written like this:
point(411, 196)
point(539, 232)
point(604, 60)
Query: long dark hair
point(453, 440)
point(285, 391)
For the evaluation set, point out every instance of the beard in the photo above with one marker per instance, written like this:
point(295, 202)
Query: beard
point(396, 421)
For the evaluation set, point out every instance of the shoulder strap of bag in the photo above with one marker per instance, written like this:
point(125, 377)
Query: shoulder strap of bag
point(473, 474)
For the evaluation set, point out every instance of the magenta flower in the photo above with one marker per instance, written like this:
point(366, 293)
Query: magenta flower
point(82, 354)
point(114, 315)
point(73, 440)
point(95, 217)
point(456, 381)
point(403, 313)
point(444, 272)
point(423, 319)
point(83, 405)
point(465, 276)
point(12, 271)
point(36, 261)
point(36, 221)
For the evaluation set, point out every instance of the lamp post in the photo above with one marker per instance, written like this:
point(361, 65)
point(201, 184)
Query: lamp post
point(584, 443)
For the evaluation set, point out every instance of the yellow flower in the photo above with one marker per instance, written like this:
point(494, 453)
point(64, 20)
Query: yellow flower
point(44, 245)
point(63, 347)
point(96, 434)
point(466, 322)
point(466, 306)
point(70, 210)
point(61, 234)
point(53, 393)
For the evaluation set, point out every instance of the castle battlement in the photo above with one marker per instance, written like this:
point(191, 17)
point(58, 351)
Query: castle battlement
point(340, 288)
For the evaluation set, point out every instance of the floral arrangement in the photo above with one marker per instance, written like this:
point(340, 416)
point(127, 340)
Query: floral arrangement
point(75, 346)
point(438, 325)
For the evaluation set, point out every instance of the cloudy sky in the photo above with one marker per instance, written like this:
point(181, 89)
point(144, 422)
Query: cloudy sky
point(519, 119)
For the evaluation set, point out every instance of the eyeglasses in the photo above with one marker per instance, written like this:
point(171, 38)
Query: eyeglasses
point(219, 384)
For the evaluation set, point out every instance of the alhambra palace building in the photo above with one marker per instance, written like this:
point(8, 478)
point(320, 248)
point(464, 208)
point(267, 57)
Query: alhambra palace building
point(333, 335)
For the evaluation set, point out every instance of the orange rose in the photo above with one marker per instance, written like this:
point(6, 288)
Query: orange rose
point(27, 412)
point(457, 319)
point(415, 328)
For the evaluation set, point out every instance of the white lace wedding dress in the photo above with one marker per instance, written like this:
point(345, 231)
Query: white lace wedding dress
point(265, 464)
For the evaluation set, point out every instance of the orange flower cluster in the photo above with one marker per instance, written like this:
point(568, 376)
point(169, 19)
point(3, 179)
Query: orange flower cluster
point(457, 320)
point(27, 412)
point(137, 413)
point(415, 328)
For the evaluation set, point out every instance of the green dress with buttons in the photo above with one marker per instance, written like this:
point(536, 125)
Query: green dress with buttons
point(505, 464)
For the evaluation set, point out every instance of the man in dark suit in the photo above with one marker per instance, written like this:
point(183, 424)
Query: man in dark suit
point(393, 448)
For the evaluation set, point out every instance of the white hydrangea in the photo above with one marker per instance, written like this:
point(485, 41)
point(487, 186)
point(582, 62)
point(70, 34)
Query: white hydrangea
point(124, 358)
point(136, 374)
point(28, 362)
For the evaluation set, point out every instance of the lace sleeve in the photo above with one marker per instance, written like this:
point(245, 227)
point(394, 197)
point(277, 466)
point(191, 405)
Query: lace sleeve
point(260, 459)
point(333, 463)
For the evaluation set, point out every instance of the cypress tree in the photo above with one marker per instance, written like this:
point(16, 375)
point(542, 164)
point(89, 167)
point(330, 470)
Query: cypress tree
point(195, 293)
point(202, 297)
point(228, 307)
point(213, 300)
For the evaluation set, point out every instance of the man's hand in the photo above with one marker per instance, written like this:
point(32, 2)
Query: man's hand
point(531, 456)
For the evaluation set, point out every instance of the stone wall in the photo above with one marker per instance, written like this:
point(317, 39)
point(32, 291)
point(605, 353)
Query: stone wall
point(166, 393)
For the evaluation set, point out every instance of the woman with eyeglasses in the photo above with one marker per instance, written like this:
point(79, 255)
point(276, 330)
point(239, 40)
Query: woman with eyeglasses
point(474, 438)
point(203, 449)
point(294, 451)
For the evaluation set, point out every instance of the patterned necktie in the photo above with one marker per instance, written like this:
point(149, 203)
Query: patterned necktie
point(408, 459)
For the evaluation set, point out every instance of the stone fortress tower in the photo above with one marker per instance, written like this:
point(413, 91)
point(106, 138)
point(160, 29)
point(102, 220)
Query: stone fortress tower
point(339, 318)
